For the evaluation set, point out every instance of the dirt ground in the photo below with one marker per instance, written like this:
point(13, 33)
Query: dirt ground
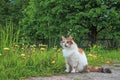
point(115, 75)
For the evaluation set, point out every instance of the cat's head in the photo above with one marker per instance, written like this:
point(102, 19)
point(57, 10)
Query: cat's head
point(67, 42)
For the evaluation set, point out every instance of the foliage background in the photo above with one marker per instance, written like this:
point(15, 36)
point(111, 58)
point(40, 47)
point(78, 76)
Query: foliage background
point(45, 21)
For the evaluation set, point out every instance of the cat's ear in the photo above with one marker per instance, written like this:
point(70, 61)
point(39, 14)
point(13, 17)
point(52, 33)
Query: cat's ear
point(70, 37)
point(63, 38)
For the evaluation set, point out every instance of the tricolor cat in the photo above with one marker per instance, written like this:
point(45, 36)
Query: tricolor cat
point(75, 58)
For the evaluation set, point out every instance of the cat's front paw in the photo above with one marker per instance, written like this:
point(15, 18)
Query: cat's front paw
point(67, 71)
point(73, 71)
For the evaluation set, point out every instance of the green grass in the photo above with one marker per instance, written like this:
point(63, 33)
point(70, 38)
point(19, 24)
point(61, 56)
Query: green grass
point(22, 61)
point(36, 62)
point(105, 57)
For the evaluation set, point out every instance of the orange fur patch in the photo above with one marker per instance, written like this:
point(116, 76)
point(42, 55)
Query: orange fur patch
point(81, 50)
point(92, 69)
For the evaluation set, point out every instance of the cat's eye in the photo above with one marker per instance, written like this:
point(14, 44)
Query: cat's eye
point(67, 42)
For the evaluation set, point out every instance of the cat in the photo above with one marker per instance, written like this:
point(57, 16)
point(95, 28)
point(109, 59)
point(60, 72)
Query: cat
point(75, 58)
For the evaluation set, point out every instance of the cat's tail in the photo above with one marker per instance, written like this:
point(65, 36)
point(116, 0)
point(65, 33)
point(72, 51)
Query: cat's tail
point(106, 70)
point(97, 69)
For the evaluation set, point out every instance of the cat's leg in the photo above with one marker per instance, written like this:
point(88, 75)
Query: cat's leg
point(67, 66)
point(75, 67)
point(73, 70)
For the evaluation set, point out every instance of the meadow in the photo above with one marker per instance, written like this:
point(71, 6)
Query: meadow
point(19, 61)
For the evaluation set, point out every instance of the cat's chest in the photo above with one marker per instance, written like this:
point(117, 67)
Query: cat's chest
point(70, 53)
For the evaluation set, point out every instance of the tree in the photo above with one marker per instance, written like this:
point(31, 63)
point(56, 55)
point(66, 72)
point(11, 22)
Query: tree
point(96, 16)
point(18, 7)
point(81, 18)
point(11, 10)
point(5, 11)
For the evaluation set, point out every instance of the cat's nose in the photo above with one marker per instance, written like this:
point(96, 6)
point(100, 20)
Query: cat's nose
point(66, 45)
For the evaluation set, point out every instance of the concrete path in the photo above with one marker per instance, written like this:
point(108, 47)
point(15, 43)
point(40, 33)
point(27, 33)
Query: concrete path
point(115, 75)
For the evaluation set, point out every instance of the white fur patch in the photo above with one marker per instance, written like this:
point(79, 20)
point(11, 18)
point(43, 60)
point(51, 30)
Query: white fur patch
point(74, 58)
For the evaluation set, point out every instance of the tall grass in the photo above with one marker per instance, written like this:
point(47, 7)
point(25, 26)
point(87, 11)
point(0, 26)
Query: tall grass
point(38, 63)
point(98, 56)
point(22, 61)
point(8, 36)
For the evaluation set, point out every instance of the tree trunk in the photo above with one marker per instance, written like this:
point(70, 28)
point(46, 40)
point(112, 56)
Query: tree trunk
point(93, 35)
